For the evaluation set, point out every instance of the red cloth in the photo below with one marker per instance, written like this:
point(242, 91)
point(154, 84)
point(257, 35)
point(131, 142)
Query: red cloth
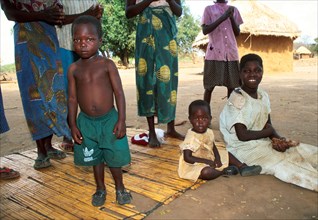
point(140, 139)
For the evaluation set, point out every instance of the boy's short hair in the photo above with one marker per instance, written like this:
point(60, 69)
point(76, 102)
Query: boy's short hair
point(199, 103)
point(87, 19)
point(250, 57)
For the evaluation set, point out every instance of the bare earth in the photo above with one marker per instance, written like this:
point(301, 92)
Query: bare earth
point(294, 114)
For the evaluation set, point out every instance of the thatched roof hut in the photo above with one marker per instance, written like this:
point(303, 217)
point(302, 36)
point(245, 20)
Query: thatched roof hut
point(302, 52)
point(264, 32)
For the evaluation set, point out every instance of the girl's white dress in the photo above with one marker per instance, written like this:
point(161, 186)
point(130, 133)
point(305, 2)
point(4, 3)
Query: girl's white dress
point(297, 165)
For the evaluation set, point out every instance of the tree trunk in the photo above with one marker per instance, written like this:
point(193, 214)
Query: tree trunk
point(124, 57)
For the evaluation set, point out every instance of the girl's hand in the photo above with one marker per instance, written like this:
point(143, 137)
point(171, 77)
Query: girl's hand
point(120, 129)
point(77, 135)
point(218, 162)
point(54, 15)
point(281, 144)
point(211, 163)
point(229, 12)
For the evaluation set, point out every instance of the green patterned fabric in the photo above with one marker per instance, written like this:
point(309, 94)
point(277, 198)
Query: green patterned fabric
point(157, 64)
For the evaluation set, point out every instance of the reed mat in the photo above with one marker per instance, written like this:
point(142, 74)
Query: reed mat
point(63, 191)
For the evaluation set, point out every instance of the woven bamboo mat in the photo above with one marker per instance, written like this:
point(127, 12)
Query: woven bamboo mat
point(63, 191)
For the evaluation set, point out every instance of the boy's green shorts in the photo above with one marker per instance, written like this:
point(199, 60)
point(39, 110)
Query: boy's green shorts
point(99, 144)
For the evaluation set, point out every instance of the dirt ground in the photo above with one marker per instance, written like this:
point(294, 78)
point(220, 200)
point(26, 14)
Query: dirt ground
point(294, 114)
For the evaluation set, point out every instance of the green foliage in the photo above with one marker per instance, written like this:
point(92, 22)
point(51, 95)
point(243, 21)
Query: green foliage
point(9, 68)
point(314, 47)
point(118, 31)
point(188, 29)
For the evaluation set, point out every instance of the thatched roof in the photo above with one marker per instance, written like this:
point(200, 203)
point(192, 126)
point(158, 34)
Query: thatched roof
point(258, 19)
point(303, 50)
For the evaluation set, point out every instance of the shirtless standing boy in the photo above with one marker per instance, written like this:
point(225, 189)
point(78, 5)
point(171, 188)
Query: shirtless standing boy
point(99, 131)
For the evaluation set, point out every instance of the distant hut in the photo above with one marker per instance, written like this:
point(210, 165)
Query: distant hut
point(264, 32)
point(302, 53)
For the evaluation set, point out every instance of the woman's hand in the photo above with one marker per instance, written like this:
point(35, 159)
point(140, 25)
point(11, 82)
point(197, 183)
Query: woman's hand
point(54, 15)
point(95, 11)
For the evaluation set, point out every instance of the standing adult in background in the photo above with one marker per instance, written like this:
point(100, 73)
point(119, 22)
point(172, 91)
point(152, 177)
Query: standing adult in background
point(72, 10)
point(221, 66)
point(39, 72)
point(156, 58)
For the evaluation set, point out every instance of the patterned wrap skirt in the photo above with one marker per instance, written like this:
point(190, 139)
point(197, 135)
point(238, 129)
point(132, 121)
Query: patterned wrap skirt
point(156, 58)
point(40, 78)
point(4, 127)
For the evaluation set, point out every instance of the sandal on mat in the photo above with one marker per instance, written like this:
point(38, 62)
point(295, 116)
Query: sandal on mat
point(56, 154)
point(123, 197)
point(41, 163)
point(99, 197)
point(7, 173)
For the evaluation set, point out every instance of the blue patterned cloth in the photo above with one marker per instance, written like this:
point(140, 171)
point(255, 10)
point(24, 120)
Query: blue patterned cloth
point(4, 127)
point(40, 78)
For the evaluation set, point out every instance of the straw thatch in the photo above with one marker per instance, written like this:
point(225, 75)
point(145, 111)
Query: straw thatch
point(303, 50)
point(302, 53)
point(264, 32)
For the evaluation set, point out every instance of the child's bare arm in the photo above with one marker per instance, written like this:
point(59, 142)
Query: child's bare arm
point(217, 160)
point(189, 158)
point(235, 26)
point(72, 106)
point(211, 27)
point(246, 135)
point(120, 127)
point(275, 134)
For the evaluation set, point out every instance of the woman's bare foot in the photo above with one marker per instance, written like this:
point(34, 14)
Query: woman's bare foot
point(174, 134)
point(171, 131)
point(153, 140)
point(67, 145)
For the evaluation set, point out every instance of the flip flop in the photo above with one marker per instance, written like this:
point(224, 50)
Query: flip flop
point(250, 170)
point(230, 170)
point(7, 173)
point(56, 154)
point(41, 163)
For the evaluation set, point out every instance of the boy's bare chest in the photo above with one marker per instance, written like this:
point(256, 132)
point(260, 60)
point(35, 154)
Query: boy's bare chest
point(86, 75)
